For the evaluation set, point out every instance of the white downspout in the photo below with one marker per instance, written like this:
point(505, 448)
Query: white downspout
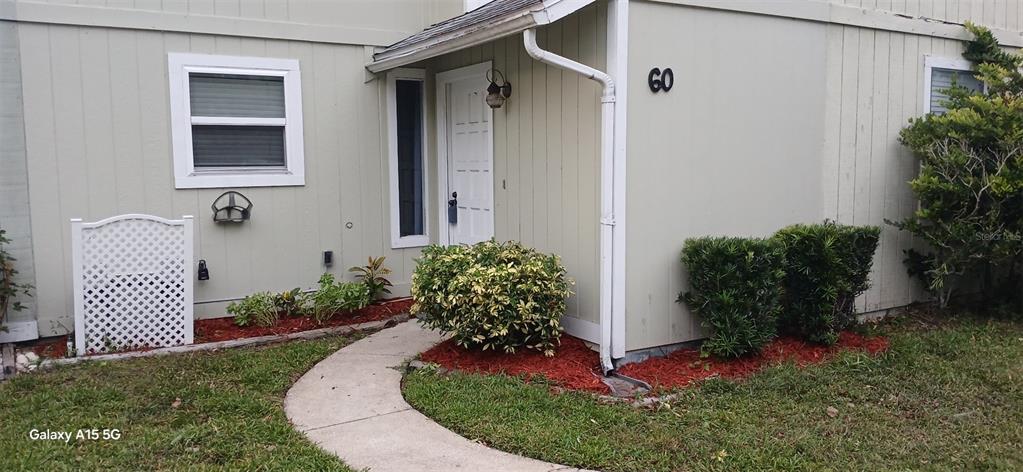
point(607, 222)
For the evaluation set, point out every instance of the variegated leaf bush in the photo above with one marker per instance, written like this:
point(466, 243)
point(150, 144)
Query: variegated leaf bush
point(492, 295)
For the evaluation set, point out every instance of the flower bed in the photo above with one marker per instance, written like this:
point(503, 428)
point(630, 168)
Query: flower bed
point(574, 365)
point(224, 329)
point(685, 366)
point(577, 367)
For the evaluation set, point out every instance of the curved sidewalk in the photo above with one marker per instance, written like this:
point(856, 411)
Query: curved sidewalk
point(350, 404)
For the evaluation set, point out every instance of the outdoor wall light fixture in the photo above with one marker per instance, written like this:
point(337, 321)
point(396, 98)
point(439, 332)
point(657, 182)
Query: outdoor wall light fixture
point(231, 207)
point(497, 94)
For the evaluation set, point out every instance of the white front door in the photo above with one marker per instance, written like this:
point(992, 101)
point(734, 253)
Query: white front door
point(465, 125)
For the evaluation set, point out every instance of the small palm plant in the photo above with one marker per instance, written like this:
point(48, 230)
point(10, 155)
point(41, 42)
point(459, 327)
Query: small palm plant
point(372, 275)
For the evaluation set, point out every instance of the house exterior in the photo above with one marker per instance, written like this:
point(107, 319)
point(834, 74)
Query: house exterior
point(355, 126)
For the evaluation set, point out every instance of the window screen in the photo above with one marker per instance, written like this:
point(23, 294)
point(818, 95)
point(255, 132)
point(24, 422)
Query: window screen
point(238, 146)
point(941, 81)
point(409, 101)
point(249, 96)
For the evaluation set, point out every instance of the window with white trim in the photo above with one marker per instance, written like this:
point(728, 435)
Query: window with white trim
point(235, 121)
point(939, 75)
point(406, 121)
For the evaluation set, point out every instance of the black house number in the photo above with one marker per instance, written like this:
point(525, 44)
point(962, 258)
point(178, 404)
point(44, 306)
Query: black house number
point(660, 79)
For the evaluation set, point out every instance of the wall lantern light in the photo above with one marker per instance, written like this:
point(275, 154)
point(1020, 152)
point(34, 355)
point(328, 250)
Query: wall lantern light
point(231, 207)
point(497, 94)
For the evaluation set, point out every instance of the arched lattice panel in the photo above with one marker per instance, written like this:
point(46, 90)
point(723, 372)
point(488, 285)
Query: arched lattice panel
point(133, 283)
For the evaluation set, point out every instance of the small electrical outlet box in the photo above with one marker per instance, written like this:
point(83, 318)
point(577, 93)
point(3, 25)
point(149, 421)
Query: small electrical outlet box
point(328, 258)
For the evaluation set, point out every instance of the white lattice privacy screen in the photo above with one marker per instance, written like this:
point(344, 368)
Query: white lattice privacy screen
point(133, 283)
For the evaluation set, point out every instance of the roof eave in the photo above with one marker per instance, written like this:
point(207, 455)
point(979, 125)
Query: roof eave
point(549, 12)
point(452, 42)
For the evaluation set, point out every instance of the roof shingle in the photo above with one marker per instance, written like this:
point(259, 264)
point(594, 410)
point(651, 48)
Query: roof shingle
point(470, 21)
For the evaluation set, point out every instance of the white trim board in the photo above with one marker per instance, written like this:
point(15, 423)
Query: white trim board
point(441, 79)
point(582, 329)
point(618, 67)
point(826, 12)
point(149, 20)
point(397, 240)
point(17, 331)
point(179, 66)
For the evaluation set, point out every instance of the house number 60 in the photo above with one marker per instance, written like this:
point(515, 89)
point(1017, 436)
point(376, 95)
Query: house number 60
point(660, 79)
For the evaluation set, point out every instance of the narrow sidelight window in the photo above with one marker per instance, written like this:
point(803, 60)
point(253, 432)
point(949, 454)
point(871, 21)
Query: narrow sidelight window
point(405, 96)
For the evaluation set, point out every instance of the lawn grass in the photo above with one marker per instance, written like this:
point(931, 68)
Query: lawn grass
point(943, 397)
point(199, 411)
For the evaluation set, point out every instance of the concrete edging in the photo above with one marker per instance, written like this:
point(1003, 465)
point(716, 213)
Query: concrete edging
point(351, 405)
point(233, 343)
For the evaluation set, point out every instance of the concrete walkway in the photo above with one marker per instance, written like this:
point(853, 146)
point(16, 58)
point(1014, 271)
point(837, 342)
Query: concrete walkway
point(350, 404)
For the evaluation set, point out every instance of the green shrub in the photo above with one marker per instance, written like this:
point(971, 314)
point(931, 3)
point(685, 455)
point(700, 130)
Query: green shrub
point(291, 302)
point(334, 297)
point(492, 295)
point(826, 267)
point(372, 275)
point(258, 309)
point(734, 288)
point(970, 183)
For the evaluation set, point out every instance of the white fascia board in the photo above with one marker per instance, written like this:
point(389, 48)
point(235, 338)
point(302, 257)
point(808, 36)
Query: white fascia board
point(554, 10)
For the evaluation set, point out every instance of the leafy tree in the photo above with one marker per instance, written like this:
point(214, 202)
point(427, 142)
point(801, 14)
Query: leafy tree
point(970, 185)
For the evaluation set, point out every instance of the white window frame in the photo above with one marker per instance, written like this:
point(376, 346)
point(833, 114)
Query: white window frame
point(397, 240)
point(180, 65)
point(938, 62)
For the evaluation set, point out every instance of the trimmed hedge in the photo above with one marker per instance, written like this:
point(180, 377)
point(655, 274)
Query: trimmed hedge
point(826, 266)
point(735, 288)
point(492, 295)
point(802, 281)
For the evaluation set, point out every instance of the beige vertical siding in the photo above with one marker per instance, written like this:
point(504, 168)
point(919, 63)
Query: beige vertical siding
point(875, 84)
point(772, 121)
point(1004, 14)
point(546, 147)
point(14, 209)
point(98, 140)
point(732, 149)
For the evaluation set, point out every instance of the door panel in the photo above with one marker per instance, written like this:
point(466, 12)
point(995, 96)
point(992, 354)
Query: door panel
point(470, 160)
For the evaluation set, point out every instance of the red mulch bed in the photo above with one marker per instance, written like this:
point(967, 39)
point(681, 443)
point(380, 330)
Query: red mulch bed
point(51, 347)
point(577, 367)
point(224, 329)
point(685, 366)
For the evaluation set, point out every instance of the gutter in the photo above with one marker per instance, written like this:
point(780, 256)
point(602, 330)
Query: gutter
point(607, 187)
